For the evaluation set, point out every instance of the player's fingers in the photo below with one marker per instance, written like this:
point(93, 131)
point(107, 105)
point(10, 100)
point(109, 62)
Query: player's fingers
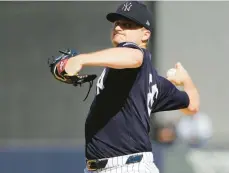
point(178, 65)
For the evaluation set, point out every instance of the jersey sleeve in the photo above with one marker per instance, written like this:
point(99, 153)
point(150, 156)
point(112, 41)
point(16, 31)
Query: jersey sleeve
point(169, 97)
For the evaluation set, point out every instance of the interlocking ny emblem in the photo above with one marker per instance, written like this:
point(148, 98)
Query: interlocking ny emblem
point(127, 6)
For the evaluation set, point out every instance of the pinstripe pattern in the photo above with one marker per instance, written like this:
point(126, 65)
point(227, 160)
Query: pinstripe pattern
point(117, 165)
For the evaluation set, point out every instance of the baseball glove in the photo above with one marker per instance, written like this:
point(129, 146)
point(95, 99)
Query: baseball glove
point(57, 65)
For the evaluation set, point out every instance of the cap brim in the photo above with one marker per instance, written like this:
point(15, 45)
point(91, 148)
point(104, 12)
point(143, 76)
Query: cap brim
point(112, 17)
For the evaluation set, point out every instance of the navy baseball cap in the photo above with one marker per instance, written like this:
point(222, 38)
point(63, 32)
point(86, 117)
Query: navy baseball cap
point(135, 11)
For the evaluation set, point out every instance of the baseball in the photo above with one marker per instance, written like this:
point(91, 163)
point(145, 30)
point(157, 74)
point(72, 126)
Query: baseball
point(171, 72)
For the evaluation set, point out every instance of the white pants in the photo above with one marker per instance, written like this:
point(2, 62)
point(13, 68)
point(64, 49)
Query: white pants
point(117, 165)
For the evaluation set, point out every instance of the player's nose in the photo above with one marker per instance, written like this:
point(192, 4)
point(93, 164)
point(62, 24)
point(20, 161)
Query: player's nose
point(117, 28)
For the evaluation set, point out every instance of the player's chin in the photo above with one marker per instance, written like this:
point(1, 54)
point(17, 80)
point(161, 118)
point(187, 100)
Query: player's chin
point(115, 44)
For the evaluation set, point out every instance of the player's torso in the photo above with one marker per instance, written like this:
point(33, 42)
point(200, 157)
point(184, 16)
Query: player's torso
point(118, 120)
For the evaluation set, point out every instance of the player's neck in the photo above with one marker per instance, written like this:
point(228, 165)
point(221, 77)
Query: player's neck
point(143, 45)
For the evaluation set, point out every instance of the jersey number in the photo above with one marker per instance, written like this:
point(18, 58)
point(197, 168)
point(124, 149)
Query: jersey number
point(153, 92)
point(99, 85)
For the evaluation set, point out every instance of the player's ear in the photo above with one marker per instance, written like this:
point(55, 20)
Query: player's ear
point(146, 35)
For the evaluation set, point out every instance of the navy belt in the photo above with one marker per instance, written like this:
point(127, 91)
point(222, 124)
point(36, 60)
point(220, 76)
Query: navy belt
point(93, 165)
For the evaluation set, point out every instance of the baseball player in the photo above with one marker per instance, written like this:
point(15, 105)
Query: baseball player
point(127, 92)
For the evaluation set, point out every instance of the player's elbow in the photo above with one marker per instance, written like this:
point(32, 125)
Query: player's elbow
point(194, 102)
point(137, 62)
point(191, 109)
point(137, 59)
point(194, 105)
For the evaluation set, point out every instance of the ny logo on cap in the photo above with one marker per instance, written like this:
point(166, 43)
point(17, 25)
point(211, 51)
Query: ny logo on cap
point(127, 6)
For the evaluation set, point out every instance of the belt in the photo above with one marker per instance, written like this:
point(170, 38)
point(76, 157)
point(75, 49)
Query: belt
point(93, 165)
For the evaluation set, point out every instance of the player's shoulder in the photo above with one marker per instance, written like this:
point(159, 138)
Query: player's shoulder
point(130, 45)
point(127, 44)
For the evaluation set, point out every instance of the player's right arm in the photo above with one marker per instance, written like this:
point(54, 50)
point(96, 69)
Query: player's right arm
point(193, 95)
point(171, 98)
point(182, 78)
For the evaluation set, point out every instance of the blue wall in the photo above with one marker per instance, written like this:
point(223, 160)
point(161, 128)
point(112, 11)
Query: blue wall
point(47, 160)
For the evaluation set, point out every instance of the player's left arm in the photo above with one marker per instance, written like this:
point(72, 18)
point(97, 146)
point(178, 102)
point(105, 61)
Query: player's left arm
point(127, 55)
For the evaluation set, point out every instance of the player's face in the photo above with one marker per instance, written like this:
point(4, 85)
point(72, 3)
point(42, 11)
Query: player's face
point(128, 31)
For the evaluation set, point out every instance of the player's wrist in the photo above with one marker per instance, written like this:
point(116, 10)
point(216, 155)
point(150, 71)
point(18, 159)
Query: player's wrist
point(82, 59)
point(76, 60)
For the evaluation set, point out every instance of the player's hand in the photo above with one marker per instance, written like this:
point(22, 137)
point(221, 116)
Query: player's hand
point(179, 75)
point(73, 66)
